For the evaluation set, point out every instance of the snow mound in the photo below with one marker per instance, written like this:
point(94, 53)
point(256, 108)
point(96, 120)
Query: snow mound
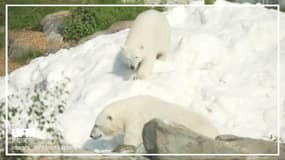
point(223, 65)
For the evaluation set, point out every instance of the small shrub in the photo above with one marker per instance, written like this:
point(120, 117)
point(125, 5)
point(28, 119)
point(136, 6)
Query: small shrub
point(210, 1)
point(2, 40)
point(37, 107)
point(27, 56)
point(85, 21)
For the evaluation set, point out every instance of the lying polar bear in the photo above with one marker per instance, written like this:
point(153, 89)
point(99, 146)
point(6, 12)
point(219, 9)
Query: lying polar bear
point(148, 40)
point(128, 116)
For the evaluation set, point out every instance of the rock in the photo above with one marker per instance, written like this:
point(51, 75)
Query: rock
point(161, 137)
point(53, 28)
point(55, 42)
point(25, 42)
point(253, 146)
point(54, 22)
point(54, 37)
point(17, 50)
point(117, 26)
point(164, 137)
point(125, 149)
point(249, 145)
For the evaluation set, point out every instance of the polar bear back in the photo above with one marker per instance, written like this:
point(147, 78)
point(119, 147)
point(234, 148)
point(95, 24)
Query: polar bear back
point(146, 28)
point(141, 109)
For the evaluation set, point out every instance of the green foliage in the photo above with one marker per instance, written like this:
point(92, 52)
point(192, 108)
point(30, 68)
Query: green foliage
point(2, 40)
point(29, 55)
point(2, 13)
point(37, 107)
point(29, 17)
point(210, 1)
point(87, 20)
point(2, 137)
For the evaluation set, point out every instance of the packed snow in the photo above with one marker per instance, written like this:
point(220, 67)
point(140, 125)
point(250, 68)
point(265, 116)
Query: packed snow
point(223, 65)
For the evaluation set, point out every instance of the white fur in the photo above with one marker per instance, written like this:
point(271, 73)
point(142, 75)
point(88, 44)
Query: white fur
point(148, 38)
point(128, 116)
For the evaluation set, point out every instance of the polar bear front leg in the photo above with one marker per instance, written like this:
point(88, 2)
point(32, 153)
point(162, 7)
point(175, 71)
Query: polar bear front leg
point(145, 68)
point(132, 137)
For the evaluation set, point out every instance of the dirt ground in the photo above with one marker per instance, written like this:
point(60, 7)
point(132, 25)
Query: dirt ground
point(11, 65)
point(34, 38)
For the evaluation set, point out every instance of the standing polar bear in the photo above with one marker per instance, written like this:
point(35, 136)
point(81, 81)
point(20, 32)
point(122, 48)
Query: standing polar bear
point(128, 116)
point(148, 40)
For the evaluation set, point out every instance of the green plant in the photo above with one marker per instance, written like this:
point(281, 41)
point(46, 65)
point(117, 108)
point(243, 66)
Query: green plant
point(2, 40)
point(87, 20)
point(27, 56)
point(210, 1)
point(29, 17)
point(2, 13)
point(37, 107)
point(2, 137)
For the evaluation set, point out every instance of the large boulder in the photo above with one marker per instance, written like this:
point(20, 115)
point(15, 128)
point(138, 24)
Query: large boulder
point(54, 22)
point(53, 28)
point(165, 137)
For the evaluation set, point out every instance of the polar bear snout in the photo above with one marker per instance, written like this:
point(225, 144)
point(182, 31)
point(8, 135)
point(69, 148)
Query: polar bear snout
point(136, 66)
point(96, 132)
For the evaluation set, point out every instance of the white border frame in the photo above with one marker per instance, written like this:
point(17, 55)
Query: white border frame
point(135, 5)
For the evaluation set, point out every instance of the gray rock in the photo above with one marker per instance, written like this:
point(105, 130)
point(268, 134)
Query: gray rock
point(164, 137)
point(17, 50)
point(54, 22)
point(125, 149)
point(161, 137)
point(55, 42)
point(54, 37)
point(53, 28)
point(248, 145)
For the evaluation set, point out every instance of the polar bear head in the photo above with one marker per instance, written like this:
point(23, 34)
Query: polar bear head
point(133, 57)
point(107, 124)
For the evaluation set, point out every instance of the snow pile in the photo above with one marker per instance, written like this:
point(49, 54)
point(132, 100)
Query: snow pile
point(223, 65)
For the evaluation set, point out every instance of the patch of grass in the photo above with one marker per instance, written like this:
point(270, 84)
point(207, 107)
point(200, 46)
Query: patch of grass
point(26, 57)
point(2, 40)
point(209, 1)
point(2, 13)
point(29, 17)
point(87, 20)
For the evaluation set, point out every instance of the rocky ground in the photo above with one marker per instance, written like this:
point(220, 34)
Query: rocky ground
point(161, 137)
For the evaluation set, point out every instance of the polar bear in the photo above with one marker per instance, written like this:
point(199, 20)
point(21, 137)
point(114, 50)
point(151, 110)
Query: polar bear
point(128, 117)
point(148, 40)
